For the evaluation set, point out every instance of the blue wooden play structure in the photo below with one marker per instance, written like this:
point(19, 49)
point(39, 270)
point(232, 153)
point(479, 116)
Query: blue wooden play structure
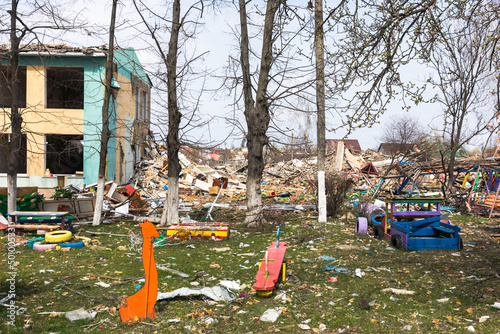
point(426, 234)
point(416, 230)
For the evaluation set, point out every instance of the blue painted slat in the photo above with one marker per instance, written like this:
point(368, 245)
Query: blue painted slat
point(423, 232)
point(433, 244)
point(403, 184)
point(445, 230)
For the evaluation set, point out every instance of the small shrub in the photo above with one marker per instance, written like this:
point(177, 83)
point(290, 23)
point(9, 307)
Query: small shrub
point(337, 186)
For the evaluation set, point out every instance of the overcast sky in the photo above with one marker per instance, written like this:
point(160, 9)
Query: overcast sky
point(218, 41)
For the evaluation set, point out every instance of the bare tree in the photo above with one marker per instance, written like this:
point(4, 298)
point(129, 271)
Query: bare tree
point(373, 41)
point(15, 117)
point(107, 115)
point(320, 104)
point(256, 111)
point(462, 53)
point(171, 211)
point(403, 133)
point(22, 27)
point(299, 138)
point(290, 79)
point(174, 76)
point(377, 39)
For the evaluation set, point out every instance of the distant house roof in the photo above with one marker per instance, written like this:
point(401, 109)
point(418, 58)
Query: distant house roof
point(351, 144)
point(393, 148)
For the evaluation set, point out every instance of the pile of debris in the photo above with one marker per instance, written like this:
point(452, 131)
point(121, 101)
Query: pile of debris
point(292, 185)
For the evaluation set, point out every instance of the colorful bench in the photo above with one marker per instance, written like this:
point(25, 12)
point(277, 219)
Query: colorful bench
point(40, 217)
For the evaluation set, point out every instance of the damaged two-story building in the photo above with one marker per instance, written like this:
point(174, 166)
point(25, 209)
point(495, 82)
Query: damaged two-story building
point(61, 98)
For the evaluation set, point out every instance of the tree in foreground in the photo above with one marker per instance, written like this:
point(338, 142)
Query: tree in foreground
point(20, 26)
point(108, 112)
point(320, 104)
point(257, 113)
point(15, 116)
point(172, 78)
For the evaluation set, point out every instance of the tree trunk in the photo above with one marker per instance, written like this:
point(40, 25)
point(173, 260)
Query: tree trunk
point(171, 207)
point(256, 139)
point(105, 132)
point(451, 168)
point(320, 104)
point(172, 200)
point(15, 117)
point(256, 113)
point(456, 134)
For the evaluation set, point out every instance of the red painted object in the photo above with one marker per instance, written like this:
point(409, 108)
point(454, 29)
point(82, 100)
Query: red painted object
point(129, 189)
point(266, 281)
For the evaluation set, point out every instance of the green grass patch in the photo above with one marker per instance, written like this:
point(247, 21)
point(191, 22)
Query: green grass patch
point(452, 289)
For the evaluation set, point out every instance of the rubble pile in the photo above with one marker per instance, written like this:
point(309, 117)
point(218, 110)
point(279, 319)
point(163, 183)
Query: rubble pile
point(293, 182)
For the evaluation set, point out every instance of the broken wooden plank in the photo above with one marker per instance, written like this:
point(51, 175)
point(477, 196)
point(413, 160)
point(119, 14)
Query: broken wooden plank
point(340, 155)
point(351, 159)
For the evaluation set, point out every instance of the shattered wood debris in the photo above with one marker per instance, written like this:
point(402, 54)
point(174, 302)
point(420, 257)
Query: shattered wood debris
point(292, 185)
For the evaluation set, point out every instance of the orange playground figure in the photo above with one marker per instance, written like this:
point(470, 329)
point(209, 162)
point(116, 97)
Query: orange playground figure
point(142, 304)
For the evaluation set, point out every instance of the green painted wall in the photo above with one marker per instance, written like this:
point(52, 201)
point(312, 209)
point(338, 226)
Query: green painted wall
point(93, 95)
point(129, 63)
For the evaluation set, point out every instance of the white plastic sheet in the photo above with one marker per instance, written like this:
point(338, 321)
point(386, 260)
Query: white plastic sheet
point(217, 293)
point(271, 315)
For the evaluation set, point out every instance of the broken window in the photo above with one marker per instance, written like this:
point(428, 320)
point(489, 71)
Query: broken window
point(137, 104)
point(5, 79)
point(5, 145)
point(64, 154)
point(64, 87)
point(144, 105)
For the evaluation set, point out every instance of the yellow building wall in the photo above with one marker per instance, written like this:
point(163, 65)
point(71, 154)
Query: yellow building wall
point(39, 121)
point(125, 107)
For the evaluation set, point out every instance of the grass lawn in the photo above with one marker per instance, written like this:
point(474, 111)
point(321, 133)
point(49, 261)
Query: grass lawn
point(453, 289)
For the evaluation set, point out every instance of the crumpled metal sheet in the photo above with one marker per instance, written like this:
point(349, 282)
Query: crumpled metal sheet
point(217, 293)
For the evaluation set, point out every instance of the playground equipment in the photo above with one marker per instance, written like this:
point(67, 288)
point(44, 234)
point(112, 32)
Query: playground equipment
point(416, 230)
point(361, 226)
point(392, 213)
point(271, 269)
point(58, 236)
point(56, 240)
point(426, 234)
point(41, 217)
point(200, 230)
point(142, 304)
